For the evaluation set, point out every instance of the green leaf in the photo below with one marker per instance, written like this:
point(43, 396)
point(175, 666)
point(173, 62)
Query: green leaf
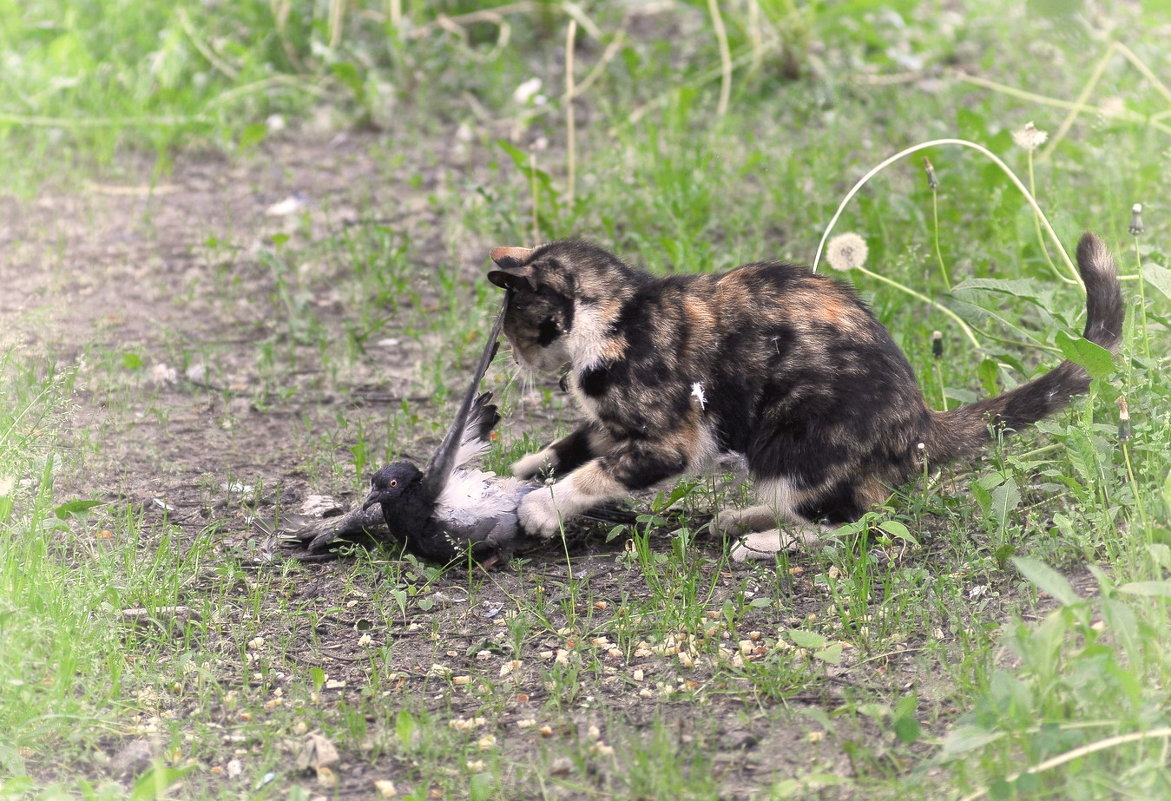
point(348, 75)
point(252, 135)
point(524, 163)
point(1157, 276)
point(131, 361)
point(969, 125)
point(831, 654)
point(907, 729)
point(1147, 589)
point(1000, 790)
point(12, 764)
point(806, 639)
point(965, 738)
point(480, 787)
point(1098, 361)
point(1059, 9)
point(983, 497)
point(1025, 288)
point(1005, 498)
point(404, 727)
point(71, 508)
point(1047, 579)
point(989, 373)
point(899, 531)
point(317, 676)
point(157, 781)
point(518, 156)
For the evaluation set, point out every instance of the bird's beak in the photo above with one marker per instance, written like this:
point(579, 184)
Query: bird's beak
point(374, 497)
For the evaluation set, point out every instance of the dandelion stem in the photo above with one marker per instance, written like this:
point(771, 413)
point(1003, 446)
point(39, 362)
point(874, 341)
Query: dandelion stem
point(919, 296)
point(1134, 491)
point(1141, 320)
point(942, 390)
point(935, 232)
point(857, 187)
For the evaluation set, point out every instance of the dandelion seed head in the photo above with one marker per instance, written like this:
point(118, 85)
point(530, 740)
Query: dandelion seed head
point(1029, 137)
point(1136, 219)
point(846, 252)
point(528, 90)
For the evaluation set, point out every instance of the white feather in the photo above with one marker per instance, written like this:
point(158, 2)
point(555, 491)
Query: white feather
point(698, 394)
point(469, 449)
point(475, 494)
point(470, 445)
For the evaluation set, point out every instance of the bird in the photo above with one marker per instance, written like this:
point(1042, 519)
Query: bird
point(451, 510)
point(446, 512)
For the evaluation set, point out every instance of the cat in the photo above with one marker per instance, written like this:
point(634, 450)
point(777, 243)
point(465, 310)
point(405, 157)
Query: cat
point(771, 361)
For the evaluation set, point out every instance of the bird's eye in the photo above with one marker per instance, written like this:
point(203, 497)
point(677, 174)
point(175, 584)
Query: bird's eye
point(393, 482)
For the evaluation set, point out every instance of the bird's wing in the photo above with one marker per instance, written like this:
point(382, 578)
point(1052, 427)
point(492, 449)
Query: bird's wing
point(481, 420)
point(472, 423)
point(472, 495)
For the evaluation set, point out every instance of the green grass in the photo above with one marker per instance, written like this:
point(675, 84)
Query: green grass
point(929, 652)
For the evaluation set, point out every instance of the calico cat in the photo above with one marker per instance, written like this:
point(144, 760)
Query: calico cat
point(771, 361)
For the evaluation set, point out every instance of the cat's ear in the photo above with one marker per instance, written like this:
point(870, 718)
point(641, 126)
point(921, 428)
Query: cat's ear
point(513, 272)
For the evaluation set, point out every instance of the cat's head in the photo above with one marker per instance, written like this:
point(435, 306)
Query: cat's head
point(539, 317)
point(566, 298)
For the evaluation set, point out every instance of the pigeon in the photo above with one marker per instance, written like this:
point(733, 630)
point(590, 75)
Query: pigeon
point(446, 512)
point(451, 510)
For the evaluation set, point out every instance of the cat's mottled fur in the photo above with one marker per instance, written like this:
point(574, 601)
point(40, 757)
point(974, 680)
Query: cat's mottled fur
point(771, 361)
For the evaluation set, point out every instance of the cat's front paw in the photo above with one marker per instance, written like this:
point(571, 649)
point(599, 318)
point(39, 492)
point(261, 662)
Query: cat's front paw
point(534, 464)
point(538, 515)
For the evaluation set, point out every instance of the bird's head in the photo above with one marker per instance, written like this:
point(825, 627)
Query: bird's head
point(389, 483)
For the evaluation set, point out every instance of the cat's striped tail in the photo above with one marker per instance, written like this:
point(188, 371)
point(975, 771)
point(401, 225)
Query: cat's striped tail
point(963, 431)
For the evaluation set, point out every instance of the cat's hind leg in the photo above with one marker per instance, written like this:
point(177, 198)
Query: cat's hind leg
point(732, 522)
point(778, 500)
point(767, 544)
point(758, 528)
